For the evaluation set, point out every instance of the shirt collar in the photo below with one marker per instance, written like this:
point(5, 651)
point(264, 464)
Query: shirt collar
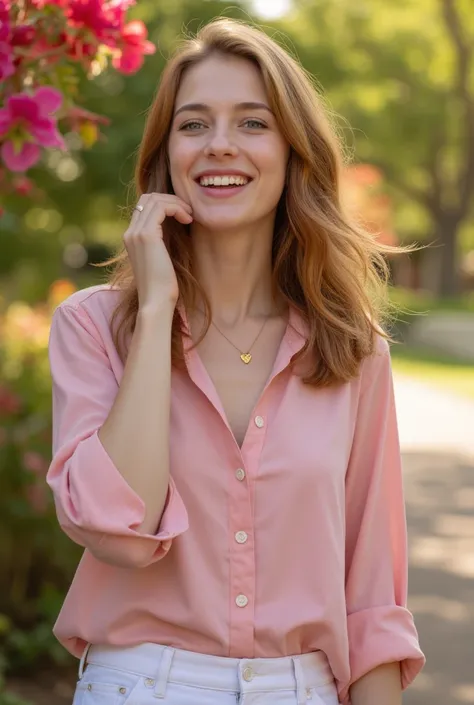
point(293, 339)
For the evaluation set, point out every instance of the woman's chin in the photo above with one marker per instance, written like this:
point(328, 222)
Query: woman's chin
point(219, 223)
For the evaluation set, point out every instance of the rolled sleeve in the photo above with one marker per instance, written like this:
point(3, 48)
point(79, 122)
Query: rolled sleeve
point(95, 505)
point(380, 627)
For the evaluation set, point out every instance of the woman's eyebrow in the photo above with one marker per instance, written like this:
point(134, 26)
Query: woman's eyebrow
point(203, 108)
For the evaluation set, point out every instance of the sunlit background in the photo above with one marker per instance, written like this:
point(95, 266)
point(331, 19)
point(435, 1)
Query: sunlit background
point(271, 9)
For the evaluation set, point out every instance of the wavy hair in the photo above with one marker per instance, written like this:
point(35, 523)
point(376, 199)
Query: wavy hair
point(324, 263)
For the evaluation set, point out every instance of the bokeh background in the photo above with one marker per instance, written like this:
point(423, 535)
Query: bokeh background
point(398, 76)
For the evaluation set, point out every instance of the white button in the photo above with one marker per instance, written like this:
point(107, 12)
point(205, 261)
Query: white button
point(259, 421)
point(247, 674)
point(241, 600)
point(240, 474)
point(241, 537)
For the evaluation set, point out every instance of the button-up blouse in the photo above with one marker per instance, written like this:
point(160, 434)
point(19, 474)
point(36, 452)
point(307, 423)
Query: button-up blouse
point(292, 543)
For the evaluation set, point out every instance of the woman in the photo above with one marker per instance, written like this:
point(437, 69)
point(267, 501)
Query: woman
point(225, 440)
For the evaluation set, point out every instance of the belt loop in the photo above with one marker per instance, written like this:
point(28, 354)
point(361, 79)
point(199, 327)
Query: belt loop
point(163, 672)
point(82, 662)
point(300, 681)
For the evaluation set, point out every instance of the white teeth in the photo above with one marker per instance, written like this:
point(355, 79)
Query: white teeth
point(223, 180)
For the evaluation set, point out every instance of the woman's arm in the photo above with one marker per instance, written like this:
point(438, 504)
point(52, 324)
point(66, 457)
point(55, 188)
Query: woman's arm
point(136, 431)
point(113, 493)
point(381, 629)
point(381, 685)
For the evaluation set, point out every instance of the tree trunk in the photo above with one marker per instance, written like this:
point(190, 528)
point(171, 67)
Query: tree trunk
point(448, 280)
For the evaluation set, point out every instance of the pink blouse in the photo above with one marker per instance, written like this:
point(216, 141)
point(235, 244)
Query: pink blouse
point(293, 543)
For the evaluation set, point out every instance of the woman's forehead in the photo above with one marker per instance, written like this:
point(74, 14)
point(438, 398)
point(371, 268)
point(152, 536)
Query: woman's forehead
point(223, 80)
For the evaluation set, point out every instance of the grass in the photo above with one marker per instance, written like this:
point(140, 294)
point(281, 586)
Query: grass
point(437, 369)
point(424, 302)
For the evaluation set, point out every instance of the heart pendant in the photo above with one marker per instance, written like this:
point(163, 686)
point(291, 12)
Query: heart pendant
point(246, 357)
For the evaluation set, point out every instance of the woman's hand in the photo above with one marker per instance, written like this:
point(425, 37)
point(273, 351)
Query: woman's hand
point(152, 266)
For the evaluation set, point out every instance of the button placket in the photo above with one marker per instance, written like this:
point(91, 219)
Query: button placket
point(242, 548)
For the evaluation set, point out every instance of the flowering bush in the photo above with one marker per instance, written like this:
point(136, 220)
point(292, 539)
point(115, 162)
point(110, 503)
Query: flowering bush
point(43, 46)
point(37, 560)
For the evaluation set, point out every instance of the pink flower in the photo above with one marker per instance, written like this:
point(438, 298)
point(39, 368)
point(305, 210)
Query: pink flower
point(4, 13)
point(7, 67)
point(26, 125)
point(40, 4)
point(23, 186)
point(133, 46)
point(23, 35)
point(10, 403)
point(35, 463)
point(94, 15)
point(117, 9)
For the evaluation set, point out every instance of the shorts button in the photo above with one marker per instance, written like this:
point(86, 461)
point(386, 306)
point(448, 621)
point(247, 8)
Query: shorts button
point(247, 674)
point(122, 691)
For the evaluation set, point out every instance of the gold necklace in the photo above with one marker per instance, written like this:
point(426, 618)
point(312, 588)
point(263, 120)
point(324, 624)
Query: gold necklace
point(246, 357)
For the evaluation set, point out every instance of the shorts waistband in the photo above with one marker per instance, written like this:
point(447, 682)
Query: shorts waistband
point(167, 664)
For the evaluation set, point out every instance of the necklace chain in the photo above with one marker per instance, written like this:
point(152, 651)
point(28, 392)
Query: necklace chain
point(246, 357)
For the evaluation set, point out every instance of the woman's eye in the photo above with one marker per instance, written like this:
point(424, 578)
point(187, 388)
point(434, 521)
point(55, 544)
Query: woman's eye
point(257, 123)
point(193, 125)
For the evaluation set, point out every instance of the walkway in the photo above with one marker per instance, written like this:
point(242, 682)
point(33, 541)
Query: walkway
point(437, 436)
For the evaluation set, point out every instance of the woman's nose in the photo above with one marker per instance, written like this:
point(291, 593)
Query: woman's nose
point(220, 144)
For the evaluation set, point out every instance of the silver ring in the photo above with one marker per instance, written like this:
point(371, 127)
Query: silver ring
point(138, 208)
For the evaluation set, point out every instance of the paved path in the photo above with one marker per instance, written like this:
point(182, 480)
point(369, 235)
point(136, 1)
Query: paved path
point(433, 419)
point(437, 436)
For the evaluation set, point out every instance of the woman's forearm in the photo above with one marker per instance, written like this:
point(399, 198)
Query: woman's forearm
point(381, 686)
point(136, 432)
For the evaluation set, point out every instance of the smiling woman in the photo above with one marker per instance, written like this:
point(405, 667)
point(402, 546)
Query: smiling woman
point(228, 452)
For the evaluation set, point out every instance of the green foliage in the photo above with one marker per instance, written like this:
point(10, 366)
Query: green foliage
point(37, 559)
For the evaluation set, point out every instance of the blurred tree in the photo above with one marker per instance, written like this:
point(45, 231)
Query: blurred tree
point(402, 73)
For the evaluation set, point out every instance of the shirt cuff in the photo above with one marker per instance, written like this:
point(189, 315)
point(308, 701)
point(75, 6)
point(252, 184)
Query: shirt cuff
point(383, 635)
point(99, 509)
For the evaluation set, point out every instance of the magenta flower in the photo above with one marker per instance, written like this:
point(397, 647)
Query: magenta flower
point(7, 67)
point(5, 7)
point(133, 46)
point(96, 17)
point(26, 125)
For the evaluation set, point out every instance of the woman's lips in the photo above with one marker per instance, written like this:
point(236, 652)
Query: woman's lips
point(222, 191)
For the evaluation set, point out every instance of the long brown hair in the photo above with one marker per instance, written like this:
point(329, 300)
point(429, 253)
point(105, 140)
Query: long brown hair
point(324, 264)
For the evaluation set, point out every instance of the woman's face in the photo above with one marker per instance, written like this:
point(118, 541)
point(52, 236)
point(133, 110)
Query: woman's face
point(223, 128)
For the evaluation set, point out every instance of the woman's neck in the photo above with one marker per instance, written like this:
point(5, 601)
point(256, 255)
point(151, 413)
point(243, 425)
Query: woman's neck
point(236, 274)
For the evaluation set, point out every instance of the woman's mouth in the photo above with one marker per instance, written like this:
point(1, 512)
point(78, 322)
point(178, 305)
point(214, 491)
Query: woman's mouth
point(224, 185)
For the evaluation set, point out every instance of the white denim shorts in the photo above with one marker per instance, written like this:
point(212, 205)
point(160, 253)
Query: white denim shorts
point(151, 674)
